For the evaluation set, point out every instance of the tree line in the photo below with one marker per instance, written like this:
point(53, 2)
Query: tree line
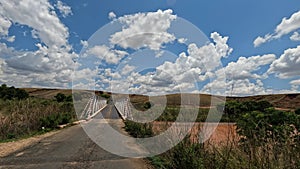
point(10, 93)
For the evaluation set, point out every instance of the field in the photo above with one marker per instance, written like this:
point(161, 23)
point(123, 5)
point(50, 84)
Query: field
point(284, 101)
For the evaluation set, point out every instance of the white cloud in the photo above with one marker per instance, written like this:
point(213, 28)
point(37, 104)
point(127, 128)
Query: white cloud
point(287, 65)
point(244, 68)
point(84, 43)
point(240, 87)
point(51, 64)
point(286, 26)
point(4, 26)
point(127, 69)
point(198, 62)
point(109, 73)
point(191, 67)
point(145, 30)
point(44, 67)
point(38, 15)
point(182, 40)
point(295, 82)
point(295, 85)
point(245, 87)
point(11, 38)
point(260, 40)
point(64, 9)
point(111, 15)
point(295, 36)
point(238, 77)
point(105, 53)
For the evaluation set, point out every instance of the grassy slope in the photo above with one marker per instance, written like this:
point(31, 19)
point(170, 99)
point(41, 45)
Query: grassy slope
point(288, 101)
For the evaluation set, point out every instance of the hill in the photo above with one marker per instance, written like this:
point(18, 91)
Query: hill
point(284, 101)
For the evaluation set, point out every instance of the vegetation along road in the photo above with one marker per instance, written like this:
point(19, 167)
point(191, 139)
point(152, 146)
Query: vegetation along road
point(69, 148)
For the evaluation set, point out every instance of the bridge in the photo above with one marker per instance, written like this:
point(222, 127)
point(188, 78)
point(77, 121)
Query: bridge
point(119, 108)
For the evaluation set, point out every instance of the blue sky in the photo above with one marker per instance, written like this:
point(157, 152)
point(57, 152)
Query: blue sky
point(39, 43)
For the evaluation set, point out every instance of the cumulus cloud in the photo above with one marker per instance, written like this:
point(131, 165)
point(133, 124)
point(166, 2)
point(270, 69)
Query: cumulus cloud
point(198, 61)
point(145, 30)
point(10, 38)
point(260, 40)
point(127, 69)
point(244, 68)
point(51, 64)
point(84, 43)
point(286, 26)
point(44, 67)
point(64, 9)
point(295, 36)
point(295, 82)
point(106, 54)
point(182, 40)
point(4, 26)
point(239, 87)
point(111, 15)
point(238, 76)
point(287, 65)
point(39, 16)
point(182, 74)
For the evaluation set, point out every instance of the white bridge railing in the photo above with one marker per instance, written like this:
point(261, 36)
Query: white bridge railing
point(92, 107)
point(124, 108)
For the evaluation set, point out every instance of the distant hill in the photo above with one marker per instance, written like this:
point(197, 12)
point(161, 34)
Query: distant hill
point(46, 93)
point(284, 101)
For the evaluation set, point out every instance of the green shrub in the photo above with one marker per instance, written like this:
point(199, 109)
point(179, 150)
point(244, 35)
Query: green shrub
point(138, 130)
point(63, 98)
point(60, 97)
point(271, 134)
point(10, 93)
point(297, 111)
point(53, 120)
point(26, 117)
point(147, 105)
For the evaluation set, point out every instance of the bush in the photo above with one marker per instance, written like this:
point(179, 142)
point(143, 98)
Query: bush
point(147, 105)
point(60, 97)
point(53, 120)
point(297, 111)
point(233, 109)
point(271, 134)
point(26, 117)
point(63, 98)
point(138, 130)
point(187, 155)
point(10, 93)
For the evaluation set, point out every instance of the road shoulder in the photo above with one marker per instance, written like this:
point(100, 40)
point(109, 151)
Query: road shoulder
point(14, 146)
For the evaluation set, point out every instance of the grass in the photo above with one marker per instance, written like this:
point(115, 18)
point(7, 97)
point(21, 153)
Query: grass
point(170, 114)
point(138, 130)
point(19, 118)
point(189, 154)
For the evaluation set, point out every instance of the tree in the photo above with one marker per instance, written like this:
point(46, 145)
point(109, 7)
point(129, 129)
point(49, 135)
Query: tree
point(9, 93)
point(60, 97)
point(258, 127)
point(297, 111)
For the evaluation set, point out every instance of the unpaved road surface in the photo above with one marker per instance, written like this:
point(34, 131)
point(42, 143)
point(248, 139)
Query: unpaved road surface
point(70, 148)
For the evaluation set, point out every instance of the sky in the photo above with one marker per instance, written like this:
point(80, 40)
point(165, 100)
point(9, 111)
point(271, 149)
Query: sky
point(229, 47)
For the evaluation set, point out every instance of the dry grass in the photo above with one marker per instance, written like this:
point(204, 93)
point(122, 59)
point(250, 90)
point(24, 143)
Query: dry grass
point(223, 133)
point(25, 117)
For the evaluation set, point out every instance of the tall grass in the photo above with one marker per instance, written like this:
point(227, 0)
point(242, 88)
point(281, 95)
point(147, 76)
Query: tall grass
point(209, 155)
point(26, 117)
